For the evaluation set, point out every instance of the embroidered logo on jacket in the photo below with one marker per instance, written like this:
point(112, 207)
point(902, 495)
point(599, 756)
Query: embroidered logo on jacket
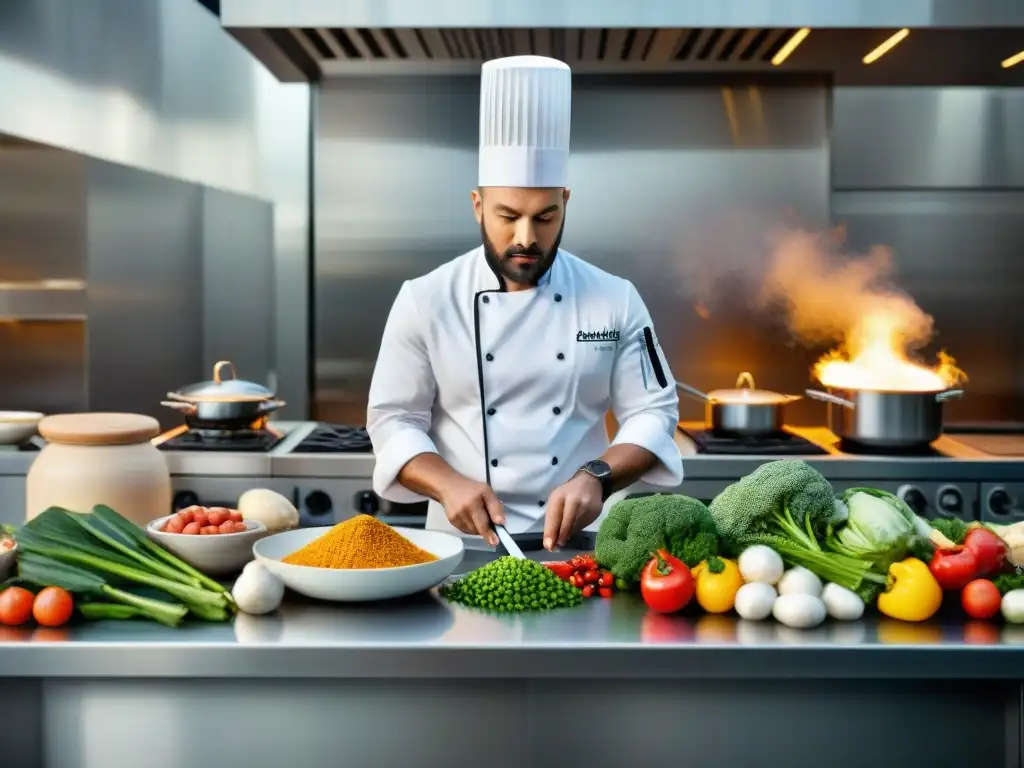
point(602, 335)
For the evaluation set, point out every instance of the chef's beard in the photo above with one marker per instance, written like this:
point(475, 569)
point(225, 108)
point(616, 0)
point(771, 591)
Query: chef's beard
point(527, 274)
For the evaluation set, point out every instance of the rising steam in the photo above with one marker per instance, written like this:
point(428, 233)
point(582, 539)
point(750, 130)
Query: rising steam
point(831, 297)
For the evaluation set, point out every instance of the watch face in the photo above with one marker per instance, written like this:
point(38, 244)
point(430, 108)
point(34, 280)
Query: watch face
point(599, 468)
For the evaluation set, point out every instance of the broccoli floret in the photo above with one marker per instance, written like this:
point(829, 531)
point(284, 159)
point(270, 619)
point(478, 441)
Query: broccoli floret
point(636, 528)
point(789, 506)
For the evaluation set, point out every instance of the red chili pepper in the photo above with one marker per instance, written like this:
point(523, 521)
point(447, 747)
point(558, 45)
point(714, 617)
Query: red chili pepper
point(588, 591)
point(666, 584)
point(607, 579)
point(605, 591)
point(562, 570)
point(583, 563)
point(954, 568)
point(989, 550)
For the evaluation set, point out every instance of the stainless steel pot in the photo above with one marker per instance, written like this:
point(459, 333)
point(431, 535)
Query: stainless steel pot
point(744, 411)
point(223, 403)
point(885, 420)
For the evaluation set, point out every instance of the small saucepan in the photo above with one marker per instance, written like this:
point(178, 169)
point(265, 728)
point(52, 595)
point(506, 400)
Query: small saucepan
point(223, 403)
point(744, 411)
point(885, 420)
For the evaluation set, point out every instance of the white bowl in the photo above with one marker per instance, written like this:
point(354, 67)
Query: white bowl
point(8, 557)
point(364, 584)
point(18, 426)
point(215, 554)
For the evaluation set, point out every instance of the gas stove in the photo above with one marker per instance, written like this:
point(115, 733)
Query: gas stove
point(326, 470)
point(959, 475)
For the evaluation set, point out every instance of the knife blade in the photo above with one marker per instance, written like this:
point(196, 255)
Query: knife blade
point(506, 541)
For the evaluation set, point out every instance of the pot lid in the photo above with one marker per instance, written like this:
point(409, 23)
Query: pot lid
point(746, 392)
point(222, 389)
point(99, 428)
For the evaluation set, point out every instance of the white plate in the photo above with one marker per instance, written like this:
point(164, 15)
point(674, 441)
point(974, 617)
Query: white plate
point(355, 585)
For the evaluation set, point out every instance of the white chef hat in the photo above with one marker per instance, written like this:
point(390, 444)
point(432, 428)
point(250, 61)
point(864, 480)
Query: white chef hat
point(524, 122)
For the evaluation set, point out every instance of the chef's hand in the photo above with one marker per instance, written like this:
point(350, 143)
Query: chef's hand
point(471, 507)
point(573, 506)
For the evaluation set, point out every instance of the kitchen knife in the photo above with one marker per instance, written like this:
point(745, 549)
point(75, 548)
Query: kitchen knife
point(506, 541)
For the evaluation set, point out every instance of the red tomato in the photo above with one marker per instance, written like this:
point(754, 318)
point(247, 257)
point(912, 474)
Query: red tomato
point(606, 579)
point(605, 591)
point(588, 590)
point(666, 584)
point(53, 607)
point(953, 568)
point(980, 599)
point(15, 606)
point(591, 577)
point(988, 548)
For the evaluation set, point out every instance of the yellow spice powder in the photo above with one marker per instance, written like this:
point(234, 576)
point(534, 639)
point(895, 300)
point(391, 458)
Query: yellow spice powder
point(360, 542)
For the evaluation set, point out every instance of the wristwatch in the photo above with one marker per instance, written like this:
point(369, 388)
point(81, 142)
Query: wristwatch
point(602, 472)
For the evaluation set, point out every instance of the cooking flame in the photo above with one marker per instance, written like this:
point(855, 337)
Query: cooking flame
point(875, 360)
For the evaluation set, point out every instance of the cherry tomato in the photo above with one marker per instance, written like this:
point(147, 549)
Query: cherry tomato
point(980, 599)
point(606, 579)
point(591, 577)
point(605, 591)
point(588, 590)
point(15, 606)
point(53, 607)
point(988, 548)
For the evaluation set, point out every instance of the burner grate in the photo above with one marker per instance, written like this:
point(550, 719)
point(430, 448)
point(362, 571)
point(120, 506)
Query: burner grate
point(336, 438)
point(244, 440)
point(783, 444)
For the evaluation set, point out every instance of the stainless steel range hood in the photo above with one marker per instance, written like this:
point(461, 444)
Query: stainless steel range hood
point(952, 42)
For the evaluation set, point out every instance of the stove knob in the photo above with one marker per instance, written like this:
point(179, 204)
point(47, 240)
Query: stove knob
point(950, 500)
point(318, 503)
point(999, 502)
point(367, 503)
point(184, 499)
point(914, 498)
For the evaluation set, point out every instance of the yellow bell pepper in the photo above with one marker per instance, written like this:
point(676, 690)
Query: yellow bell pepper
point(718, 580)
point(913, 593)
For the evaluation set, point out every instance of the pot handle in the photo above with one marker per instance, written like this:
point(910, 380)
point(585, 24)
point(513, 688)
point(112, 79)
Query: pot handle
point(949, 394)
point(221, 365)
point(692, 391)
point(825, 397)
point(270, 405)
point(187, 408)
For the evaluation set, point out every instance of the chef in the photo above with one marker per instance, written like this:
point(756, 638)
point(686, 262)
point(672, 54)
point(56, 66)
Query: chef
point(496, 369)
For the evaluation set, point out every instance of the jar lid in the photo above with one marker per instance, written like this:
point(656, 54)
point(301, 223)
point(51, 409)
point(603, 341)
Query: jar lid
point(99, 428)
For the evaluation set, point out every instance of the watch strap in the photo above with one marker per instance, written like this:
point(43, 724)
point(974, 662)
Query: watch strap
point(600, 470)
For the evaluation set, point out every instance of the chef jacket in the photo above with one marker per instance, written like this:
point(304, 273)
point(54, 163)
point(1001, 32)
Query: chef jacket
point(512, 388)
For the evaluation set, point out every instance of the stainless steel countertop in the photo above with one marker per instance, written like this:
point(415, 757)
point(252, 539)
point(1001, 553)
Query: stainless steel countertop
point(425, 637)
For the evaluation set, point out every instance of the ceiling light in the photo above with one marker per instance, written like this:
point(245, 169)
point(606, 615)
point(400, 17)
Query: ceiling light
point(887, 46)
point(790, 46)
point(1017, 58)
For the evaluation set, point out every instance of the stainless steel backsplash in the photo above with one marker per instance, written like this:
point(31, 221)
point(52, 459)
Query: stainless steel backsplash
point(676, 184)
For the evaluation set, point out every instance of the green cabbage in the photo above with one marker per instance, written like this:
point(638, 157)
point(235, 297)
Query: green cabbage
point(880, 528)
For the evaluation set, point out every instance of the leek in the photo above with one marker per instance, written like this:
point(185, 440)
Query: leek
point(45, 571)
point(112, 550)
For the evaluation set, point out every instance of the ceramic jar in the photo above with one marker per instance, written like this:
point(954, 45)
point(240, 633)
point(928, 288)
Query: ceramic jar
point(100, 458)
